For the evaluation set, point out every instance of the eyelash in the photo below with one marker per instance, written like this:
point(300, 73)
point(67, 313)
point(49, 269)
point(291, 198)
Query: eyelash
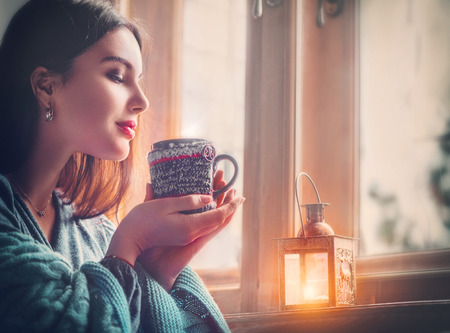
point(116, 78)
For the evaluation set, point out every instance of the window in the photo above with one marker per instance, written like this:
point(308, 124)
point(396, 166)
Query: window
point(194, 78)
point(405, 68)
point(302, 103)
point(212, 102)
point(269, 125)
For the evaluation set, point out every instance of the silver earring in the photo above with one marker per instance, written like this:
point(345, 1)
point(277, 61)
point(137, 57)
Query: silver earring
point(49, 114)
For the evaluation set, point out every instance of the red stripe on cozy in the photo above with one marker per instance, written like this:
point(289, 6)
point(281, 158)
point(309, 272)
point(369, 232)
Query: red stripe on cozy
point(183, 195)
point(173, 158)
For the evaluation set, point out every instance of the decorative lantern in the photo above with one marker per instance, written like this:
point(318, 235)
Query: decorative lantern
point(317, 268)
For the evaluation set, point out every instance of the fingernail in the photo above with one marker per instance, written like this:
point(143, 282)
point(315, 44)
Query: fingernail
point(242, 200)
point(206, 199)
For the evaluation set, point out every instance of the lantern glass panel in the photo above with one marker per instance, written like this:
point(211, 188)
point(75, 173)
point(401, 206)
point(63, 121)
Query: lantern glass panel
point(315, 288)
point(292, 279)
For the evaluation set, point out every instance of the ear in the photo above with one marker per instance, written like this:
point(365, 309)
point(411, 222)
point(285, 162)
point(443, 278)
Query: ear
point(42, 82)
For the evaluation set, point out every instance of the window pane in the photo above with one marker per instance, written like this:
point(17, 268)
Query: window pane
point(292, 279)
point(316, 277)
point(405, 121)
point(213, 101)
point(306, 278)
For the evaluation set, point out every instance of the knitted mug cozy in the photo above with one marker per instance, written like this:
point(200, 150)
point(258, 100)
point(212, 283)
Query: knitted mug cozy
point(186, 166)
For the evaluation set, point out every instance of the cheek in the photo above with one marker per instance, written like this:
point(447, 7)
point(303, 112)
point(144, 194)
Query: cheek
point(82, 116)
point(89, 104)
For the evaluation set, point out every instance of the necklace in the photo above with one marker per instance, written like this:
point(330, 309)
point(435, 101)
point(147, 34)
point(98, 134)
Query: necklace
point(40, 212)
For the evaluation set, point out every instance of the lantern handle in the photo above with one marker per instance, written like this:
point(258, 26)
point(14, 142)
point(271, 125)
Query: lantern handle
point(297, 196)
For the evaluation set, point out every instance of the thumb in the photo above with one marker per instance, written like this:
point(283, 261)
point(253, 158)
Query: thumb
point(149, 192)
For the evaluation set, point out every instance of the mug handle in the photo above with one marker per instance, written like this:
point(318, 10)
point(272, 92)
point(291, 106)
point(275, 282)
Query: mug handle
point(233, 179)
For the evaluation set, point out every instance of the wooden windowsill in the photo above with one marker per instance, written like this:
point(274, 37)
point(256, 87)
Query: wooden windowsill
point(424, 316)
point(408, 277)
point(403, 277)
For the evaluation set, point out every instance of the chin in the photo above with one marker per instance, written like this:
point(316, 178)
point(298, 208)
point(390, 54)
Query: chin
point(112, 151)
point(118, 155)
point(121, 157)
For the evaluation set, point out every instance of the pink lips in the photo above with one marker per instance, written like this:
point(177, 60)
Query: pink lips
point(127, 127)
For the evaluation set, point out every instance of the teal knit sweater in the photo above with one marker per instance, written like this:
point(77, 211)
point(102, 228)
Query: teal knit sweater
point(66, 286)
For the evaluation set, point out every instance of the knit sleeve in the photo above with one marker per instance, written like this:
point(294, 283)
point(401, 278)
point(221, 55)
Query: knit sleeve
point(187, 308)
point(128, 280)
point(41, 293)
point(191, 294)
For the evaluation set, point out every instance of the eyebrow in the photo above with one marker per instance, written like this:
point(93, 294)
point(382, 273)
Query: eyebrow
point(121, 60)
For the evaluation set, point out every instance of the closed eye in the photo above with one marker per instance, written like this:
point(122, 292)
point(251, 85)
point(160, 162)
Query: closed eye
point(116, 77)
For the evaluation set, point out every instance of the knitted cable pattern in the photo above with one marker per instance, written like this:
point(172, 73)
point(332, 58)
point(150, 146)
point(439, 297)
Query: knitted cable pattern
point(41, 293)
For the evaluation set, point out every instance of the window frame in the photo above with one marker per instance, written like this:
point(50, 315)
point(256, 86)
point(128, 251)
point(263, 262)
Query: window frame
point(329, 64)
point(269, 151)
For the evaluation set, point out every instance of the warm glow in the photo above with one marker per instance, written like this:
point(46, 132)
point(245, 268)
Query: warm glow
point(292, 279)
point(306, 278)
point(310, 292)
point(316, 270)
point(316, 290)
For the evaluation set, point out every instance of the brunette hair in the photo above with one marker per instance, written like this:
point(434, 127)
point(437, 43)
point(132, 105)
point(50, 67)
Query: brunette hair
point(52, 33)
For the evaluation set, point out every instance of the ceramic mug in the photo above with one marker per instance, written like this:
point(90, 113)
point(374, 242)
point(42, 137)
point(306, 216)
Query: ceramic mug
point(186, 166)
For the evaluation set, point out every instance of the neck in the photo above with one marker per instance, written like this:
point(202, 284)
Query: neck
point(38, 177)
point(23, 194)
point(39, 202)
point(45, 215)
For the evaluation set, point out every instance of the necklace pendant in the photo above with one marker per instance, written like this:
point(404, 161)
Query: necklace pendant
point(41, 213)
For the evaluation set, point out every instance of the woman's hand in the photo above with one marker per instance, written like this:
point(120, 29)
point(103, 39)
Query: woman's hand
point(219, 183)
point(169, 239)
point(164, 263)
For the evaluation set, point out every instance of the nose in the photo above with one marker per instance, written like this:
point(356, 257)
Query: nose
point(140, 101)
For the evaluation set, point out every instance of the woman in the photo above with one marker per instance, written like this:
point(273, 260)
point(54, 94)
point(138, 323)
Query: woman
point(70, 105)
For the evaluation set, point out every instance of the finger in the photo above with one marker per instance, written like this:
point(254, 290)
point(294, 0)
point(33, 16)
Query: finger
point(149, 192)
point(206, 222)
point(218, 180)
point(194, 247)
point(219, 200)
point(225, 198)
point(188, 202)
point(232, 205)
point(228, 199)
point(219, 184)
point(229, 196)
point(189, 228)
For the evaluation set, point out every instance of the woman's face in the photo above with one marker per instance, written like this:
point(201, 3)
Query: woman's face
point(96, 109)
